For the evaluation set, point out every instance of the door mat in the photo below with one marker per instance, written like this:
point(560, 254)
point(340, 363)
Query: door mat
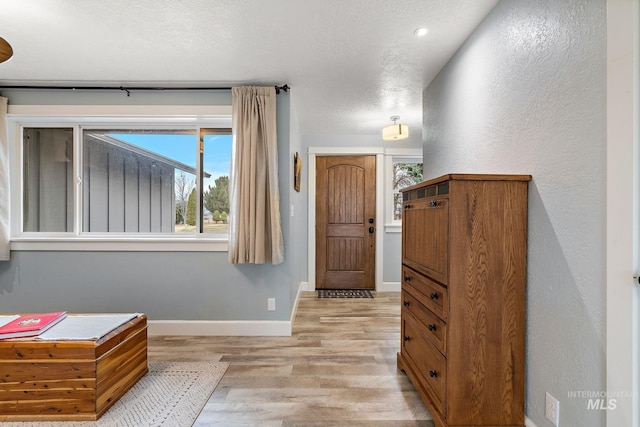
point(344, 293)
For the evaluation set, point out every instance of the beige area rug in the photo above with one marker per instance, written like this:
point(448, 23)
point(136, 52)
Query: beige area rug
point(172, 394)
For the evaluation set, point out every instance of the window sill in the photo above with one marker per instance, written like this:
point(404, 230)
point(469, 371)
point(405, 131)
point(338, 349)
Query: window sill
point(141, 244)
point(393, 228)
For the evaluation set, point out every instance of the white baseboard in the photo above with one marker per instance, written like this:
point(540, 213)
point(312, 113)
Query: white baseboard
point(528, 422)
point(238, 328)
point(390, 287)
point(294, 309)
point(306, 287)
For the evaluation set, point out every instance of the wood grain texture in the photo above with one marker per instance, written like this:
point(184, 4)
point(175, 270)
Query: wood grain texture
point(337, 369)
point(70, 380)
point(486, 286)
point(425, 247)
point(345, 201)
point(6, 51)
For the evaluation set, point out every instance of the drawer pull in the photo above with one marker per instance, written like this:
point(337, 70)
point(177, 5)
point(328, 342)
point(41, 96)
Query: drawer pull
point(434, 295)
point(407, 338)
point(407, 278)
point(432, 327)
point(406, 303)
point(433, 374)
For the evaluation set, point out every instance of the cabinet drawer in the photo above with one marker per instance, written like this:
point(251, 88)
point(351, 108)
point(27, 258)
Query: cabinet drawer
point(430, 363)
point(425, 240)
point(432, 295)
point(434, 328)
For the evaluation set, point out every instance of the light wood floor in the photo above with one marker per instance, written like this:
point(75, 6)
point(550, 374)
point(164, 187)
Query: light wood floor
point(337, 369)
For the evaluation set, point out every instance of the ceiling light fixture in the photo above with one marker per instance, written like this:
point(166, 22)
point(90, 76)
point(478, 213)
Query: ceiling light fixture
point(5, 50)
point(419, 32)
point(396, 131)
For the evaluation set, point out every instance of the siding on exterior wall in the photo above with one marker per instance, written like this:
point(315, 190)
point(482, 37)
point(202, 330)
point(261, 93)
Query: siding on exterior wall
point(48, 180)
point(125, 191)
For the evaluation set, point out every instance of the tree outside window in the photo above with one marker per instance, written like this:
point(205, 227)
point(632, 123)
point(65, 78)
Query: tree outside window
point(405, 174)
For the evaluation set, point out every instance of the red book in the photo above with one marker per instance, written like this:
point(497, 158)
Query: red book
point(30, 325)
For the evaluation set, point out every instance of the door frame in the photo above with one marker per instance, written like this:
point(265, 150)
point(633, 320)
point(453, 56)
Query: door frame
point(346, 151)
point(623, 206)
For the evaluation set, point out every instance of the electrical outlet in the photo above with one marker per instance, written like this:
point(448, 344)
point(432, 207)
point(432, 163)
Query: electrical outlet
point(271, 304)
point(552, 409)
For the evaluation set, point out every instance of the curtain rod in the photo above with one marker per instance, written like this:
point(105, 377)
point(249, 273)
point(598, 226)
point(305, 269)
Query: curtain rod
point(128, 89)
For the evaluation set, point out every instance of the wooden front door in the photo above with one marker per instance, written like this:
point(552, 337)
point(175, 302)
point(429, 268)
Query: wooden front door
point(345, 222)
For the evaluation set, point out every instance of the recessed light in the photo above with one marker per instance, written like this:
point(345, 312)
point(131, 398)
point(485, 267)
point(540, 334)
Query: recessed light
point(419, 32)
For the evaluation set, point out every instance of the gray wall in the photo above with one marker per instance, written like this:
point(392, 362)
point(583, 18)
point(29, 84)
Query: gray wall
point(165, 285)
point(527, 94)
point(298, 202)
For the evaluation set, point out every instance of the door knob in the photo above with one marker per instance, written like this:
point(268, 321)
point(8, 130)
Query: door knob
point(371, 230)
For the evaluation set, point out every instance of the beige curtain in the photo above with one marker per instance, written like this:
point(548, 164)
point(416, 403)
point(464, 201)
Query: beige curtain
point(255, 233)
point(4, 182)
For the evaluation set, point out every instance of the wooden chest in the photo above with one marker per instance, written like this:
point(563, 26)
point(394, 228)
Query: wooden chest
point(42, 380)
point(464, 297)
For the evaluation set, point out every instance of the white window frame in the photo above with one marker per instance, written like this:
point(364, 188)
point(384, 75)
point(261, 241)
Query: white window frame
point(92, 116)
point(392, 156)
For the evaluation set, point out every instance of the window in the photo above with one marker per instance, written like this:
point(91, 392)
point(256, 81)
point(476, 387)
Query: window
point(130, 181)
point(403, 168)
point(47, 179)
point(405, 173)
point(217, 169)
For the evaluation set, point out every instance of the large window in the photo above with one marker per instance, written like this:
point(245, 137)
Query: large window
point(130, 181)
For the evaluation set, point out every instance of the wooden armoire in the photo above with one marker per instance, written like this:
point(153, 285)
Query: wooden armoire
point(464, 248)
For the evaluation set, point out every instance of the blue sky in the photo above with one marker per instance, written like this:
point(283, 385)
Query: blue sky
point(183, 148)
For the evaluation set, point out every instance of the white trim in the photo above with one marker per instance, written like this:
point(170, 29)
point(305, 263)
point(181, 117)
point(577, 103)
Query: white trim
point(294, 309)
point(214, 328)
point(311, 234)
point(379, 224)
point(339, 151)
point(103, 116)
point(395, 155)
point(403, 152)
point(306, 287)
point(393, 228)
point(238, 328)
point(74, 243)
point(118, 110)
point(390, 287)
point(623, 27)
point(529, 423)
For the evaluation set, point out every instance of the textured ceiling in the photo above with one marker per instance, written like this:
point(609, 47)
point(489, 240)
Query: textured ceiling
point(351, 63)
